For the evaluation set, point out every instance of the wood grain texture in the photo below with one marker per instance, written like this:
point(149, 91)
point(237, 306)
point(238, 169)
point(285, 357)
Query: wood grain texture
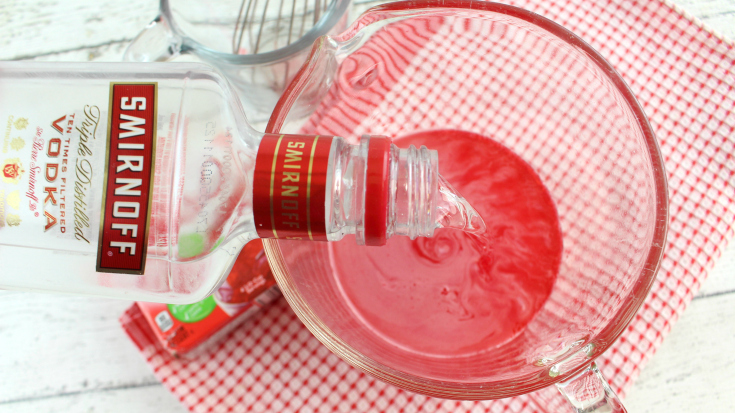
point(144, 399)
point(693, 369)
point(63, 345)
point(717, 14)
point(68, 354)
point(33, 28)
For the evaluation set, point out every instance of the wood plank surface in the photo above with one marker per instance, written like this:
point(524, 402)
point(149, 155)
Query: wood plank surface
point(68, 354)
point(693, 370)
point(64, 345)
point(35, 28)
point(143, 399)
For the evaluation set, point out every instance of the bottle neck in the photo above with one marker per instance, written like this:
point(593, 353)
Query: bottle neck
point(322, 188)
point(379, 190)
point(414, 192)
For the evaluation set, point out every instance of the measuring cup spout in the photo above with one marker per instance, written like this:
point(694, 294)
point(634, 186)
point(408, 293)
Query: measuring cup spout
point(156, 43)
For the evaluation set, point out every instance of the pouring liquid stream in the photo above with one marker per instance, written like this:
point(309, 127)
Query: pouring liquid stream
point(455, 212)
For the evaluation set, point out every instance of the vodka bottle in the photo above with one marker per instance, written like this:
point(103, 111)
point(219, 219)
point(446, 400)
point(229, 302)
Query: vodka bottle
point(144, 181)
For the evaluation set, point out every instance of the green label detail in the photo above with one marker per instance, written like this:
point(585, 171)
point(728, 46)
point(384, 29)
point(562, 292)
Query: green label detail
point(191, 245)
point(192, 313)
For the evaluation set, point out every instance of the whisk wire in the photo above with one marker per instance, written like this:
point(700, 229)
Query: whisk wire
point(252, 27)
point(260, 28)
point(242, 24)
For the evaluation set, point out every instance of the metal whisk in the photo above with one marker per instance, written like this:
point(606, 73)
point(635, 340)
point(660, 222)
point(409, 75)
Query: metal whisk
point(265, 25)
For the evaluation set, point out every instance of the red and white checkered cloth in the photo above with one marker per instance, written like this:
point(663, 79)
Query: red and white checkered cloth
point(682, 74)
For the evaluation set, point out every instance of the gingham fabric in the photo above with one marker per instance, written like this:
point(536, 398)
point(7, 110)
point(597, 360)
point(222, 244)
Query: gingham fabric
point(682, 74)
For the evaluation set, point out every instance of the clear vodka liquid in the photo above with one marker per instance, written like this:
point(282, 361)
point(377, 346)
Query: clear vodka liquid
point(144, 181)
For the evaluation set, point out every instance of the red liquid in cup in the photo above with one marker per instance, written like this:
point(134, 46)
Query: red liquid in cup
point(447, 295)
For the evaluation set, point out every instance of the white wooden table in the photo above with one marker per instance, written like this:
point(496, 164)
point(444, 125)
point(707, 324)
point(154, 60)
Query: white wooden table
point(69, 354)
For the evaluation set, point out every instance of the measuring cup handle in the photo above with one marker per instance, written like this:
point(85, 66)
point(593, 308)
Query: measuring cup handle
point(156, 43)
point(589, 392)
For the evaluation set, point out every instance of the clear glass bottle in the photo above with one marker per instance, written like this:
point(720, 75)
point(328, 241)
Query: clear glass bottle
point(144, 181)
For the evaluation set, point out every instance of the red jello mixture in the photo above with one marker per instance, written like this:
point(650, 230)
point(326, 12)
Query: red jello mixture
point(249, 277)
point(447, 295)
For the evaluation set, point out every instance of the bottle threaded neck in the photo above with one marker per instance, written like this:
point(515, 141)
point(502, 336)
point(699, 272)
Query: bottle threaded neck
point(414, 181)
point(401, 186)
point(379, 190)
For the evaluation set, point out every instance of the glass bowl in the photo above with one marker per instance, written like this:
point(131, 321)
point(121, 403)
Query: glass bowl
point(528, 83)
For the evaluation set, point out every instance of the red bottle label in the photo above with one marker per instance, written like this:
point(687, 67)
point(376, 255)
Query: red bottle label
point(131, 150)
point(289, 187)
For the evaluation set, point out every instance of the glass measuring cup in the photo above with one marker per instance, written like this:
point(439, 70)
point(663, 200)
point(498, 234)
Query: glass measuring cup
point(258, 47)
point(526, 82)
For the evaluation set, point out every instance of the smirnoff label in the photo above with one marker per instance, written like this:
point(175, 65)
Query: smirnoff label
point(289, 187)
point(58, 168)
point(128, 184)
